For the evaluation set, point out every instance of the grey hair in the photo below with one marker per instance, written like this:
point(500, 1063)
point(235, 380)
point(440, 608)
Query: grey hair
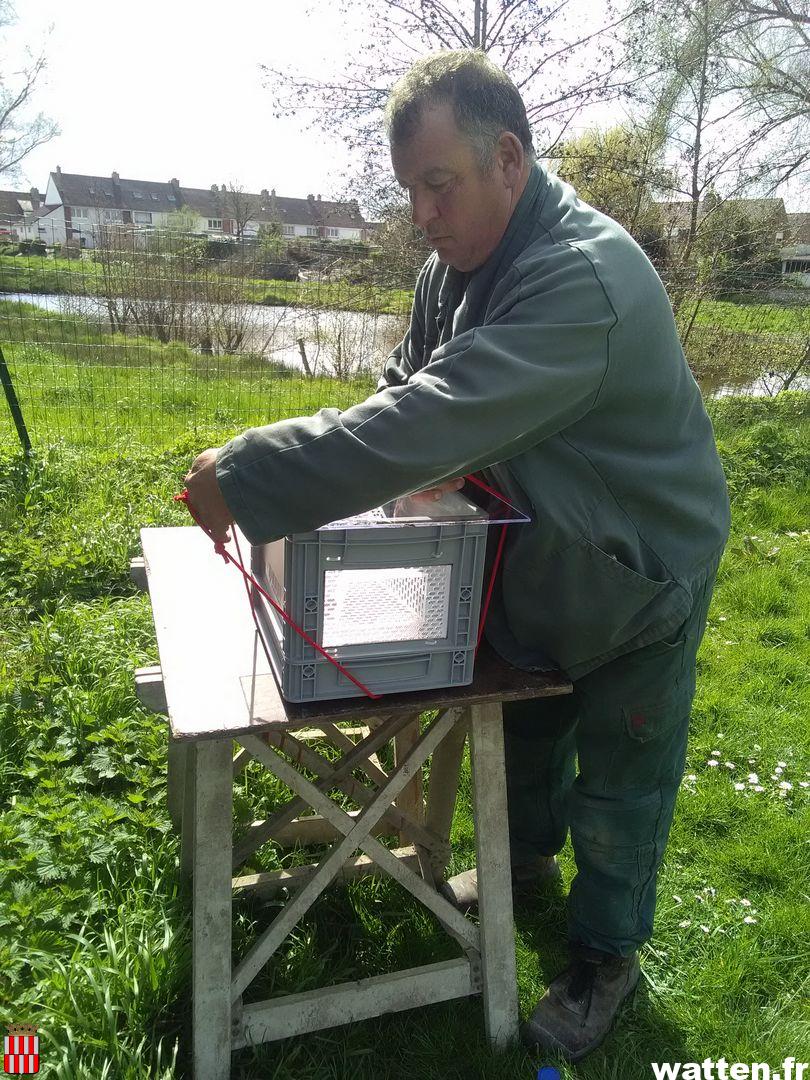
point(485, 101)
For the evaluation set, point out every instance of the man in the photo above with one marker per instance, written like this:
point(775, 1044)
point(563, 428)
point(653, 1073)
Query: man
point(541, 348)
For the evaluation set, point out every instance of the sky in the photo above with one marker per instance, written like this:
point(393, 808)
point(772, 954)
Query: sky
point(157, 89)
point(168, 88)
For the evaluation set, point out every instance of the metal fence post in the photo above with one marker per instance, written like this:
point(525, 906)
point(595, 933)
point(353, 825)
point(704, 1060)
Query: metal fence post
point(14, 405)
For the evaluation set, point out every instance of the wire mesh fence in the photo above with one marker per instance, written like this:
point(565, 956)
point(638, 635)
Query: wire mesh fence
point(142, 334)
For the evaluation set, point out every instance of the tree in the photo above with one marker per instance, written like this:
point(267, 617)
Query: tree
point(771, 50)
point(21, 131)
point(734, 249)
point(704, 68)
point(538, 45)
point(618, 171)
point(240, 207)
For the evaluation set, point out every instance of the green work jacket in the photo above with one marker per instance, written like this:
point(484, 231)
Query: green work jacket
point(556, 365)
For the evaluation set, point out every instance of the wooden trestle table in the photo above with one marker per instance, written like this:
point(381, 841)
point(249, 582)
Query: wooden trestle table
point(214, 682)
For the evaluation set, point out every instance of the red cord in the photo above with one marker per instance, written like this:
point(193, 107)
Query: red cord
point(220, 549)
point(490, 587)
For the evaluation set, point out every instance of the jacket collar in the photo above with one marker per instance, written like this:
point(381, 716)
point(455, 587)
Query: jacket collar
point(483, 280)
point(467, 294)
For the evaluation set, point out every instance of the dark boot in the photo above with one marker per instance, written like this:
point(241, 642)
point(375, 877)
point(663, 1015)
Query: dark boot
point(462, 890)
point(577, 1011)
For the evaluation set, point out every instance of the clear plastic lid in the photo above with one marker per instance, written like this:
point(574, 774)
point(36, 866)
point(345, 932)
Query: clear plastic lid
point(470, 504)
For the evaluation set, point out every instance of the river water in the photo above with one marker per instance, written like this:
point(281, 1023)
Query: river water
point(340, 343)
point(335, 342)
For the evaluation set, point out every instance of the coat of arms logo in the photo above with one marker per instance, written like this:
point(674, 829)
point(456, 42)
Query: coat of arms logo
point(21, 1050)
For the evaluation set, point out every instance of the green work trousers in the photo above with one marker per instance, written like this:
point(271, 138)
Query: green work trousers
point(606, 762)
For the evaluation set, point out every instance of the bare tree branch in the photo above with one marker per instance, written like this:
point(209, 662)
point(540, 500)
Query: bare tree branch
point(21, 131)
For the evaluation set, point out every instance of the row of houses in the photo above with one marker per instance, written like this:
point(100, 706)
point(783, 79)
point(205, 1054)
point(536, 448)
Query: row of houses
point(76, 206)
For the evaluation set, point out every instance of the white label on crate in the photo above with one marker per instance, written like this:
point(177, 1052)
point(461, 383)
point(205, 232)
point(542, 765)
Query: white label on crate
point(406, 603)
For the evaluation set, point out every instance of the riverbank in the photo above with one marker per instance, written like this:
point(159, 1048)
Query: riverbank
point(83, 277)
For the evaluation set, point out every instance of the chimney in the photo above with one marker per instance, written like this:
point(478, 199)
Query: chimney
point(35, 197)
point(310, 198)
point(214, 187)
point(265, 192)
point(58, 170)
point(174, 182)
point(319, 198)
point(273, 192)
point(115, 177)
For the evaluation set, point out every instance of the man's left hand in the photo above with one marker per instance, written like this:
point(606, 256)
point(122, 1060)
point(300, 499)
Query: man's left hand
point(205, 495)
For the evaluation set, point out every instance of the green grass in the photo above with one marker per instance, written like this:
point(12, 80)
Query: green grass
point(83, 277)
point(763, 318)
point(731, 345)
point(39, 274)
point(94, 921)
point(73, 379)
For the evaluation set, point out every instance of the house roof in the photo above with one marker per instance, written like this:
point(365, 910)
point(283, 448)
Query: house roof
point(679, 211)
point(798, 228)
point(118, 193)
point(10, 203)
point(115, 193)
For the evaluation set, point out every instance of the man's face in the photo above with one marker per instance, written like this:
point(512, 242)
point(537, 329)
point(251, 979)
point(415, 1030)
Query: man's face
point(462, 209)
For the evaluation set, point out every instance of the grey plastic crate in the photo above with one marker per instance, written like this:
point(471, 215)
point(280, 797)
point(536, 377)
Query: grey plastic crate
point(398, 606)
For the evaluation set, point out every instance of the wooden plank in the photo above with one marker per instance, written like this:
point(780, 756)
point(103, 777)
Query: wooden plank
point(451, 919)
point(494, 680)
point(137, 571)
point(216, 676)
point(149, 688)
point(411, 801)
point(176, 765)
point(339, 738)
point(274, 881)
point(211, 910)
point(410, 830)
point(315, 1010)
point(315, 734)
point(312, 830)
point(206, 637)
point(187, 820)
point(445, 769)
point(495, 917)
point(357, 836)
point(380, 735)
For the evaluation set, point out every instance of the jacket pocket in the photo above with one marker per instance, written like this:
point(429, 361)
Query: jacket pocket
point(584, 606)
point(643, 723)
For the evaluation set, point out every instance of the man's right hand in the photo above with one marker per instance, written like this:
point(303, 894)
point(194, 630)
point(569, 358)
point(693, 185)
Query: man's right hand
point(434, 493)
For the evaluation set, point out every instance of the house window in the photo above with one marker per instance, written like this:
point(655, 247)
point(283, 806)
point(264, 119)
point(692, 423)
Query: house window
point(113, 217)
point(215, 223)
point(333, 232)
point(142, 217)
point(311, 230)
point(780, 236)
point(155, 198)
point(288, 230)
point(137, 194)
point(79, 212)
